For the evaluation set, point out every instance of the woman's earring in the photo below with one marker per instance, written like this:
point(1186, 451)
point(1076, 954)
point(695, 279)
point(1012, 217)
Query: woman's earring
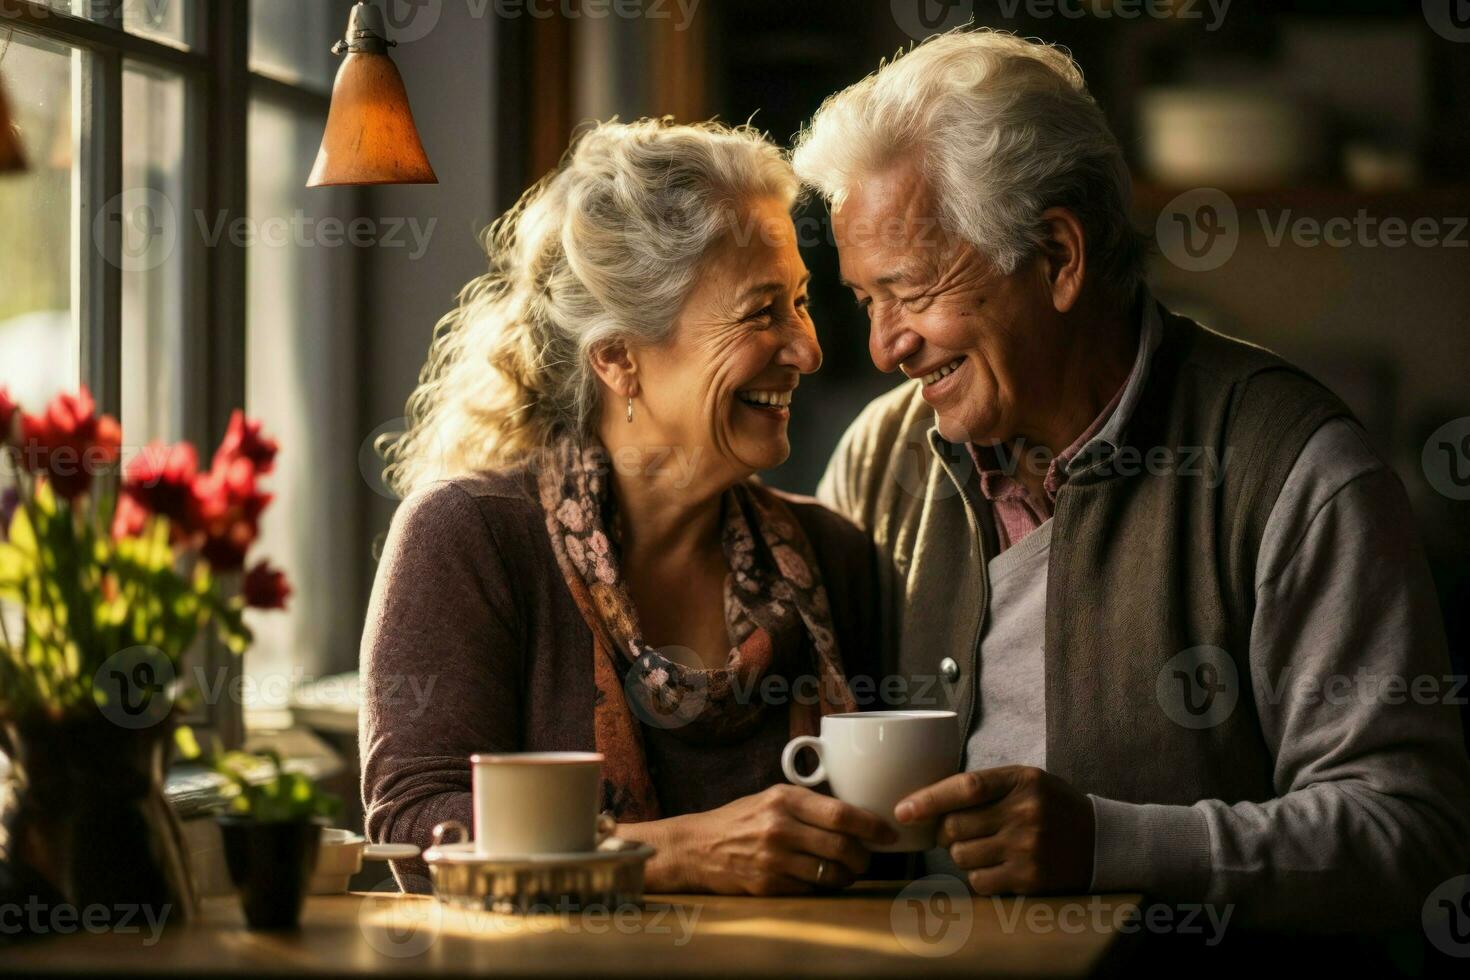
point(630, 408)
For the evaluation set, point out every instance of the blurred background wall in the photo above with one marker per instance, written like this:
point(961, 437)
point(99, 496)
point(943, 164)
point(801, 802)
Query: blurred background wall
point(1309, 115)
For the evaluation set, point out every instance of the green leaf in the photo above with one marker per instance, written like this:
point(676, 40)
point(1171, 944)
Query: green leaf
point(187, 744)
point(112, 613)
point(15, 568)
point(327, 804)
point(22, 534)
point(261, 789)
point(44, 498)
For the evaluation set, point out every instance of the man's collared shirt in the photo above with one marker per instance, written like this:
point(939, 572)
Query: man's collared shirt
point(1016, 511)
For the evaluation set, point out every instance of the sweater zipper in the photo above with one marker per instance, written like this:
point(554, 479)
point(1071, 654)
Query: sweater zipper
point(975, 530)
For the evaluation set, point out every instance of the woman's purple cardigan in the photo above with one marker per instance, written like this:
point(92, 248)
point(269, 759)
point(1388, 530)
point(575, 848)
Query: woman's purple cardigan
point(474, 644)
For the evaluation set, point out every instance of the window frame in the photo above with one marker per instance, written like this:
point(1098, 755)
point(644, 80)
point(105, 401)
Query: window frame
point(214, 65)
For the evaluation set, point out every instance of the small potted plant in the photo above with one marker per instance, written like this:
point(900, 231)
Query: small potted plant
point(271, 827)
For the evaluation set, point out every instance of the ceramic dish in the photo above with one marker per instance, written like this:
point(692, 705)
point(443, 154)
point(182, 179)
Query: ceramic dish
point(609, 877)
point(341, 856)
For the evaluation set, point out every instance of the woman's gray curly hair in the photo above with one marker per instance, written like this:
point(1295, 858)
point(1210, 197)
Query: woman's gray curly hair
point(605, 248)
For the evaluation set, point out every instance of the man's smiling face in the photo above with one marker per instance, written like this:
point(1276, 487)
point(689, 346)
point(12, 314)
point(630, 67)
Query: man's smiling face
point(940, 311)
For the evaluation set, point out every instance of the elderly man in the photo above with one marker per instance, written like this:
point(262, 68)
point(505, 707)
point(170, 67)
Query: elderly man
point(1176, 600)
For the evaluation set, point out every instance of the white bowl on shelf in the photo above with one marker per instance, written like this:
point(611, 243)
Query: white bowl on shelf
point(1228, 138)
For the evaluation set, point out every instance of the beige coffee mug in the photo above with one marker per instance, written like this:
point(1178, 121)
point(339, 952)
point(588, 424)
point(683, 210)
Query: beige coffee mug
point(873, 759)
point(528, 803)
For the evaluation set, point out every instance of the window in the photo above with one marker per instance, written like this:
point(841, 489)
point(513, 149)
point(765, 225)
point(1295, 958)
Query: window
point(166, 140)
point(163, 20)
point(155, 243)
point(39, 337)
point(301, 353)
point(160, 20)
point(292, 41)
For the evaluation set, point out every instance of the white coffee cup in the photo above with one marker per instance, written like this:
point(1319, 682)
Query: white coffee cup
point(873, 759)
point(537, 803)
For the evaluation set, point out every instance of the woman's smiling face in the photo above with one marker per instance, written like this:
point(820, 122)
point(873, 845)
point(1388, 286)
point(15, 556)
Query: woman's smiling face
point(720, 388)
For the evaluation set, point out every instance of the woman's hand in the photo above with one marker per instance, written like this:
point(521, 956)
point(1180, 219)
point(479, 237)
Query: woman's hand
point(785, 840)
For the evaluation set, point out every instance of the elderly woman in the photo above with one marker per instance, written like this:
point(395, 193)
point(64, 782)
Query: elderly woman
point(583, 560)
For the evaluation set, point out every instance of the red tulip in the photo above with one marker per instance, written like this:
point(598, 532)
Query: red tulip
point(8, 408)
point(229, 507)
point(243, 440)
point(265, 587)
point(69, 443)
point(159, 480)
point(129, 517)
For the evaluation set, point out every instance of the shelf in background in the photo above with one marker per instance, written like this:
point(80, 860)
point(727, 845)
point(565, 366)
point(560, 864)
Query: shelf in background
point(1433, 200)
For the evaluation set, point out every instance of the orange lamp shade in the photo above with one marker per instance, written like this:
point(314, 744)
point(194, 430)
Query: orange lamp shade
point(12, 157)
point(370, 137)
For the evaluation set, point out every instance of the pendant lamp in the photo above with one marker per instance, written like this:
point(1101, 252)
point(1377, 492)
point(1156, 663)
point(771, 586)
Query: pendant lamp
point(370, 136)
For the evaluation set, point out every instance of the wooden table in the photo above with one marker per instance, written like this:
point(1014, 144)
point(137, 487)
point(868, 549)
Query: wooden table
point(871, 930)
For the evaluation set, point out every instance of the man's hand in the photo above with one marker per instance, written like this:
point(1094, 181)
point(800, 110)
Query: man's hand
point(1015, 829)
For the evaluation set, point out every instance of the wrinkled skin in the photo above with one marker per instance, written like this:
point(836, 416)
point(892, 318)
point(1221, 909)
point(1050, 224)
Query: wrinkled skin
point(1037, 353)
point(745, 326)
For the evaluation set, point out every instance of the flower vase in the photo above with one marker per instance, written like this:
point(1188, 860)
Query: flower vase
point(84, 823)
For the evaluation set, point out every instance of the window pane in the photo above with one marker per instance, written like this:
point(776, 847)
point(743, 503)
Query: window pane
point(299, 376)
point(292, 41)
point(39, 338)
point(162, 20)
point(157, 228)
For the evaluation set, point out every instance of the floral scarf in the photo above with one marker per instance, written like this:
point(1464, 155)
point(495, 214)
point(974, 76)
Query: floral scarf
point(776, 610)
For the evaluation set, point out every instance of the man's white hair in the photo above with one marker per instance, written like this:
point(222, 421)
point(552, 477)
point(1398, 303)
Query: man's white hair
point(1002, 128)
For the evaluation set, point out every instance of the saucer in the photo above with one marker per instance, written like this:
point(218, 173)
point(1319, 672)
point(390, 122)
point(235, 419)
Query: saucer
point(611, 850)
point(609, 877)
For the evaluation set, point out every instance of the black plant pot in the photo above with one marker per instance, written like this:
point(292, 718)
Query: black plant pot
point(270, 864)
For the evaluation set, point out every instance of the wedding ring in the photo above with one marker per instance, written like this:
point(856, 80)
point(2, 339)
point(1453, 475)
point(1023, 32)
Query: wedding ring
point(821, 871)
